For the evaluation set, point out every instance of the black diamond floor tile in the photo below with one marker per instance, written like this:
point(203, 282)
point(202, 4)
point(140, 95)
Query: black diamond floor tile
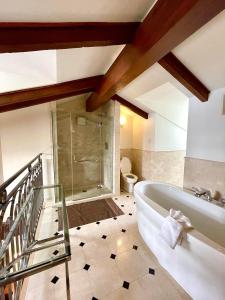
point(122, 205)
point(55, 234)
point(151, 271)
point(104, 236)
point(86, 267)
point(55, 279)
point(123, 230)
point(93, 298)
point(115, 218)
point(55, 252)
point(113, 256)
point(130, 214)
point(56, 220)
point(128, 196)
point(78, 228)
point(82, 244)
point(126, 285)
point(98, 223)
point(135, 247)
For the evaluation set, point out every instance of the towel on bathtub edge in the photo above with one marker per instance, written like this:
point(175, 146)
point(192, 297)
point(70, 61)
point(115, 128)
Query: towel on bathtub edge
point(173, 228)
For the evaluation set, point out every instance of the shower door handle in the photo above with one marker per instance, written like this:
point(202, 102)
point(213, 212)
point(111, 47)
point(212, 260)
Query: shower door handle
point(86, 160)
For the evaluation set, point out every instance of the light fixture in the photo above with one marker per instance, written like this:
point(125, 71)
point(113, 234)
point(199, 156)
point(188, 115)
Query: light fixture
point(123, 120)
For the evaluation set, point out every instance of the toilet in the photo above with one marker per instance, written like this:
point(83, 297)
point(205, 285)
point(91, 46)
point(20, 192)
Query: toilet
point(127, 178)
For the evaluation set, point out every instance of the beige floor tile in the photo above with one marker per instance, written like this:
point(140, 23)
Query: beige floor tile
point(105, 278)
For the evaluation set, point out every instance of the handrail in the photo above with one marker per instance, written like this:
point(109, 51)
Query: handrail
point(12, 178)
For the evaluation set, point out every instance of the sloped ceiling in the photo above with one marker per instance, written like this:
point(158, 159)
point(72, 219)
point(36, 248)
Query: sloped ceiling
point(85, 62)
point(202, 53)
point(74, 10)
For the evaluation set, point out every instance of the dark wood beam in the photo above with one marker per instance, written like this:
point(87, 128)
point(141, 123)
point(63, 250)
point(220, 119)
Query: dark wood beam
point(175, 67)
point(131, 106)
point(38, 95)
point(21, 37)
point(168, 24)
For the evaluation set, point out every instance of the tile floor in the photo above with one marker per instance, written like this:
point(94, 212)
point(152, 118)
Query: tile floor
point(109, 261)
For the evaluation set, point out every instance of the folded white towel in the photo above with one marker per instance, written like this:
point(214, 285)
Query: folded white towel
point(173, 227)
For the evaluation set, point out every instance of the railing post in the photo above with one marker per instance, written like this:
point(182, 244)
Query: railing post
point(3, 197)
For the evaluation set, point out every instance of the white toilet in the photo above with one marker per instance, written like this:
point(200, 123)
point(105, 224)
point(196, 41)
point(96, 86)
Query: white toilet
point(128, 179)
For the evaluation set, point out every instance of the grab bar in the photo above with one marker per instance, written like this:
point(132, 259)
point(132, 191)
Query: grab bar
point(86, 160)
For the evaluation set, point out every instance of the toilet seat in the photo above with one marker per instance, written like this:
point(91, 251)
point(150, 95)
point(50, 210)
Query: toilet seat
point(130, 178)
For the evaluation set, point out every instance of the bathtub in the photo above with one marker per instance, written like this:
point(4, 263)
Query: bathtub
point(198, 264)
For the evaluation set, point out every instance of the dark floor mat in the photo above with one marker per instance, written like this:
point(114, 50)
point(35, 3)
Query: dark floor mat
point(88, 212)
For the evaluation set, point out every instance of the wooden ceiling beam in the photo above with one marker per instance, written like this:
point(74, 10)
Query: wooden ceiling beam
point(131, 106)
point(175, 67)
point(21, 37)
point(168, 24)
point(39, 95)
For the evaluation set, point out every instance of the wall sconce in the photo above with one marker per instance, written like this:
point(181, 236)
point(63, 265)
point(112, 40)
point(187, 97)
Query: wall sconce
point(123, 120)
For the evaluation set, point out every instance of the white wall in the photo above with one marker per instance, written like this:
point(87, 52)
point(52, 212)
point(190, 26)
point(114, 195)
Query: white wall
point(126, 132)
point(206, 128)
point(157, 134)
point(24, 133)
point(1, 165)
point(168, 136)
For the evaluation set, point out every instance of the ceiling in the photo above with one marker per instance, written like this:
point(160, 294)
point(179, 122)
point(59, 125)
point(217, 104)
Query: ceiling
point(202, 53)
point(74, 10)
point(166, 100)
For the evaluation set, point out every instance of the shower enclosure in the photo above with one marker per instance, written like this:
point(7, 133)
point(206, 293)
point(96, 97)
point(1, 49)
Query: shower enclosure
point(83, 149)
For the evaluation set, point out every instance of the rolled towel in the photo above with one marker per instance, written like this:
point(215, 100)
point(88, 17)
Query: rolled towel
point(173, 227)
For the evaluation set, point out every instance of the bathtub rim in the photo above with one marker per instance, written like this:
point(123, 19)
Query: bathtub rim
point(195, 234)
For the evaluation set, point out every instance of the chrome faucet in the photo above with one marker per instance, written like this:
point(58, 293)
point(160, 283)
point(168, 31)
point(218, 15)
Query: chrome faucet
point(201, 192)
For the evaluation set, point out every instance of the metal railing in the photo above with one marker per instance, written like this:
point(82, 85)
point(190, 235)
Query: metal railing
point(21, 205)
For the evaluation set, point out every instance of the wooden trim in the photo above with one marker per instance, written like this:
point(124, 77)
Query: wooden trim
point(38, 95)
point(20, 37)
point(131, 106)
point(172, 64)
point(168, 24)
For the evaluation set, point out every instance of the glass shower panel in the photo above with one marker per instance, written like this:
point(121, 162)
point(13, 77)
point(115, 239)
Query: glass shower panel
point(83, 149)
point(64, 154)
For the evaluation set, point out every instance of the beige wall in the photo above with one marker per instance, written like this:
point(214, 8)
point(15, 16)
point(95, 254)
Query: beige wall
point(205, 173)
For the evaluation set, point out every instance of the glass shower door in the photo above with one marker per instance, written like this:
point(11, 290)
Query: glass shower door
point(86, 155)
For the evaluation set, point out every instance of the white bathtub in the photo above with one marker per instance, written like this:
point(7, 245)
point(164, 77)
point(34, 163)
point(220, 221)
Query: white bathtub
point(198, 265)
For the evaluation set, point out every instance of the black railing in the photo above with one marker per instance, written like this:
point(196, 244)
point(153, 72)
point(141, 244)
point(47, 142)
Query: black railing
point(15, 194)
point(21, 207)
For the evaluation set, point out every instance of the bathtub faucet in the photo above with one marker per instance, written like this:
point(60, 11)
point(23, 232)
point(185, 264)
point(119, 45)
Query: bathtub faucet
point(201, 192)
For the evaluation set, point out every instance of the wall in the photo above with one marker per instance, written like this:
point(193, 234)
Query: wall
point(157, 150)
point(1, 164)
point(25, 133)
point(126, 134)
point(205, 161)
